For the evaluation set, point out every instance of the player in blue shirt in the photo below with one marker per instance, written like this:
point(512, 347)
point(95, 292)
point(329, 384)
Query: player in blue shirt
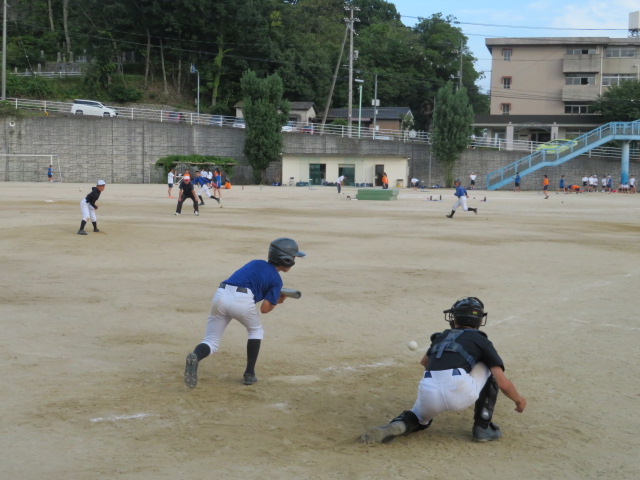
point(236, 297)
point(462, 195)
point(202, 184)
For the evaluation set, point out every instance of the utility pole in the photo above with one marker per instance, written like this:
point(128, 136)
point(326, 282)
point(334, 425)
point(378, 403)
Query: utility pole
point(460, 73)
point(4, 50)
point(351, 8)
point(335, 77)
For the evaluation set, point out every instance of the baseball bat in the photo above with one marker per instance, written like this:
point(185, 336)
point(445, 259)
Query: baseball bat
point(290, 292)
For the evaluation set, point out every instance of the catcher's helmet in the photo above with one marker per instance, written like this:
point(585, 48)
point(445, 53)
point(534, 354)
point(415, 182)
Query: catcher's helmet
point(466, 312)
point(283, 251)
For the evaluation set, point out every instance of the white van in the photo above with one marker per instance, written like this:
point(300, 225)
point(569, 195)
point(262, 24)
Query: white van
point(91, 107)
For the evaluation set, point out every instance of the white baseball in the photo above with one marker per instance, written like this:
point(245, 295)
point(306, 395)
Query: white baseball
point(412, 345)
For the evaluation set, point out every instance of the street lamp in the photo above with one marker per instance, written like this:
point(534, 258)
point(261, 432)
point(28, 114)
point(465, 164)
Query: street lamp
point(194, 70)
point(360, 82)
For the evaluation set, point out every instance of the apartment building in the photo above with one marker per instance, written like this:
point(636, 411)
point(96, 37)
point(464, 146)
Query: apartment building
point(542, 88)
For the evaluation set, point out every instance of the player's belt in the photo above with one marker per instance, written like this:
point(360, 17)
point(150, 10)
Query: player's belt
point(454, 372)
point(238, 289)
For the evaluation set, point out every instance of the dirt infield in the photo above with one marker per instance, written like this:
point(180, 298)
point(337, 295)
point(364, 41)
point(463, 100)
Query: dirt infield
point(95, 331)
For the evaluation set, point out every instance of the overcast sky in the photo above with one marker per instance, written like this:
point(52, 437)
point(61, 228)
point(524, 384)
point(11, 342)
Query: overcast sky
point(541, 18)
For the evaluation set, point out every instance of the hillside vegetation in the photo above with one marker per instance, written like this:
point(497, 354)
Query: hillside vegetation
point(144, 50)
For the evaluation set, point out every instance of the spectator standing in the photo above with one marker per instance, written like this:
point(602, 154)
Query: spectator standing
point(516, 186)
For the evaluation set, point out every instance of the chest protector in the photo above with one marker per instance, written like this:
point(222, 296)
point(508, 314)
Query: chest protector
point(449, 344)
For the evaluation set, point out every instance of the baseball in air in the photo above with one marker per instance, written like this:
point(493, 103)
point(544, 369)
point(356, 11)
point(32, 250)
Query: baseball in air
point(412, 345)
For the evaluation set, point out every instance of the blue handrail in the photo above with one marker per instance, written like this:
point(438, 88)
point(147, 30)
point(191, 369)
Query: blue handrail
point(582, 144)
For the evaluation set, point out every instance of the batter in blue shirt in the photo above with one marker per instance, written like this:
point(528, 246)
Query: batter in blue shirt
point(237, 297)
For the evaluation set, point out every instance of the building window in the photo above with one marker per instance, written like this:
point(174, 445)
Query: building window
point(506, 108)
point(580, 79)
point(506, 82)
point(576, 109)
point(581, 51)
point(506, 54)
point(620, 52)
point(616, 79)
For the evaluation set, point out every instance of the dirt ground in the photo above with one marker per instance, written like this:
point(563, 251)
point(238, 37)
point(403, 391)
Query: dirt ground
point(95, 331)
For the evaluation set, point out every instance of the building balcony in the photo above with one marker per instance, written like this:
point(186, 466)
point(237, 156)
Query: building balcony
point(581, 63)
point(580, 93)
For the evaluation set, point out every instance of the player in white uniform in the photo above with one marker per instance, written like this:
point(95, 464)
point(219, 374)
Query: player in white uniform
point(88, 207)
point(170, 176)
point(462, 368)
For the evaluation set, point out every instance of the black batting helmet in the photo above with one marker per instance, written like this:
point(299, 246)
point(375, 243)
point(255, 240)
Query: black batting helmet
point(466, 312)
point(283, 251)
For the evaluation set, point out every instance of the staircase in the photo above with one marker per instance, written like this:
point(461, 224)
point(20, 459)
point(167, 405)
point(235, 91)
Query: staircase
point(540, 159)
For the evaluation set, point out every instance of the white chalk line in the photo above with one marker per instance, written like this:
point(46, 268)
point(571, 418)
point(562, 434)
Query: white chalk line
point(360, 367)
point(116, 418)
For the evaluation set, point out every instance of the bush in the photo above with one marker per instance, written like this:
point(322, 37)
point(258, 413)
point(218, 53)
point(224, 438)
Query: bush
point(29, 87)
point(122, 94)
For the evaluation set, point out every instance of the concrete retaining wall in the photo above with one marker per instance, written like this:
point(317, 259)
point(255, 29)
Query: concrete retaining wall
point(124, 151)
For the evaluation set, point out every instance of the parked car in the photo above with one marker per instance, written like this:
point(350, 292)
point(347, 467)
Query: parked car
point(308, 129)
point(92, 107)
point(239, 123)
point(290, 127)
point(556, 146)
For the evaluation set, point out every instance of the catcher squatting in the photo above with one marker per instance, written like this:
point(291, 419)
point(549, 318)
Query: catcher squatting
point(462, 368)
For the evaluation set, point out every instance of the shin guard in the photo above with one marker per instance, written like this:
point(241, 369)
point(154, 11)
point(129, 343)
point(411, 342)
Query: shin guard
point(486, 403)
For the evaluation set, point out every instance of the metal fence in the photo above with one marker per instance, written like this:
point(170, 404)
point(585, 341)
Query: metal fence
point(192, 118)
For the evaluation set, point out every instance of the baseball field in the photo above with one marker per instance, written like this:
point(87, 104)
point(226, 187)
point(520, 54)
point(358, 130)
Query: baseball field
point(95, 330)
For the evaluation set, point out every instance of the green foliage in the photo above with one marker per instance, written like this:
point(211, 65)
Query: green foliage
point(299, 40)
point(340, 122)
point(452, 119)
point(265, 113)
point(122, 94)
point(619, 103)
point(30, 87)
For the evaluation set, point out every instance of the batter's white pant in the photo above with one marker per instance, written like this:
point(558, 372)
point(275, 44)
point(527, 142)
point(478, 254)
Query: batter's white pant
point(228, 303)
point(204, 189)
point(87, 211)
point(461, 201)
point(447, 392)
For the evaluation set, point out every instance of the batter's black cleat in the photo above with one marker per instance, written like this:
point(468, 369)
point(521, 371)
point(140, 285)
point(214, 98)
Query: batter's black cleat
point(82, 232)
point(96, 230)
point(384, 433)
point(191, 370)
point(492, 432)
point(249, 379)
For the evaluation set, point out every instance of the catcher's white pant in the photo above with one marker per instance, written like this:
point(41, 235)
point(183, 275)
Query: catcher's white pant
point(461, 201)
point(228, 303)
point(87, 211)
point(445, 391)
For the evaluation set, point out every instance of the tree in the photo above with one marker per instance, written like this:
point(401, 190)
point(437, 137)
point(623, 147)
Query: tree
point(265, 113)
point(452, 127)
point(619, 103)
